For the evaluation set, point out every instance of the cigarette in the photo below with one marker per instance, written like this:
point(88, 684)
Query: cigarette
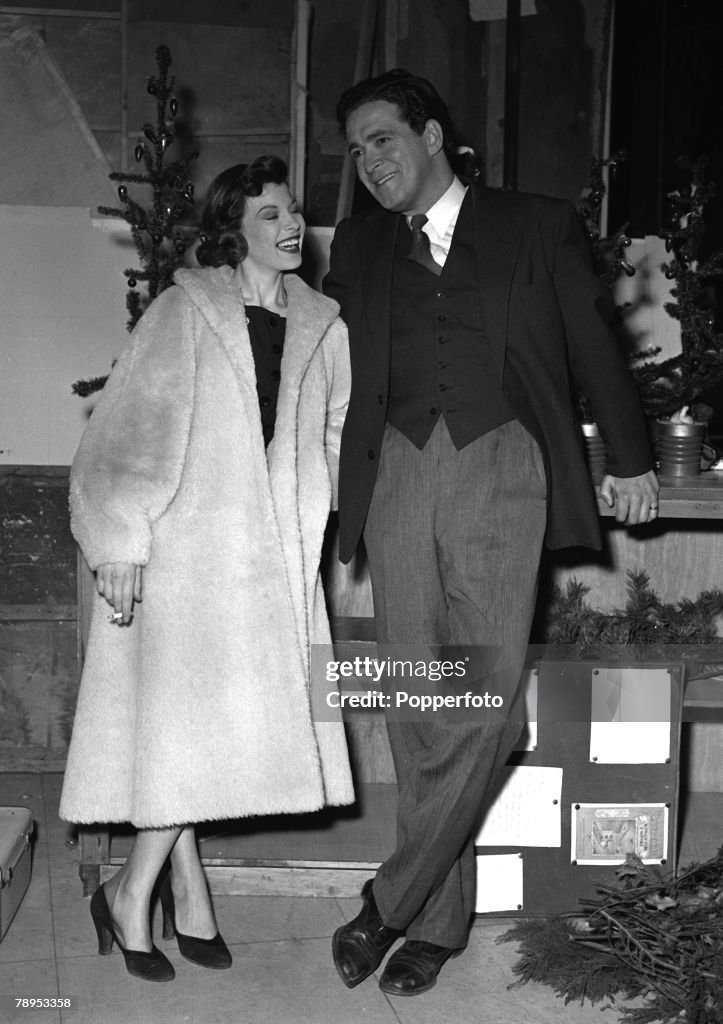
point(116, 616)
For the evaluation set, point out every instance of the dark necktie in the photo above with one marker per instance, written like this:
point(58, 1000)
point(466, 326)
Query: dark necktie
point(419, 250)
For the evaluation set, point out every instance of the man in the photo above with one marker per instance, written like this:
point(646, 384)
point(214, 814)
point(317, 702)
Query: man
point(460, 456)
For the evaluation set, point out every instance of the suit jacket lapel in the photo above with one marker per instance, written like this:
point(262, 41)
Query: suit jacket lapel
point(497, 237)
point(376, 254)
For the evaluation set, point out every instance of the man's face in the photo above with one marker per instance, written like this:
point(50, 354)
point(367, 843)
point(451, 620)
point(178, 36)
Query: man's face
point(392, 161)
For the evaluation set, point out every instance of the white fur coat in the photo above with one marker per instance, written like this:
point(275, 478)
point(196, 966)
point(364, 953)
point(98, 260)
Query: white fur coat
point(200, 708)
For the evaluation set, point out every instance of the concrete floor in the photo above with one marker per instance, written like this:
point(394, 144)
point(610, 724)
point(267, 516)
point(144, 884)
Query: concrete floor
point(282, 971)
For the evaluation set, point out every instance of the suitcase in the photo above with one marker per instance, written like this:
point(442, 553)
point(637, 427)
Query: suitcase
point(16, 825)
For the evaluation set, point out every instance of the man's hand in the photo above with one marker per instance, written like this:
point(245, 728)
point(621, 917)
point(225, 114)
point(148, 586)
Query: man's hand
point(120, 585)
point(635, 498)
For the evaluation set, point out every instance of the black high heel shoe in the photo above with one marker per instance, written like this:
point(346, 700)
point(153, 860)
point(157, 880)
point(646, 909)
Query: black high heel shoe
point(213, 953)
point(153, 966)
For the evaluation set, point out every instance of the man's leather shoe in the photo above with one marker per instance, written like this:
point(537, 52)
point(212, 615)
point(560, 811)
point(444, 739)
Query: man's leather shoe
point(414, 967)
point(360, 946)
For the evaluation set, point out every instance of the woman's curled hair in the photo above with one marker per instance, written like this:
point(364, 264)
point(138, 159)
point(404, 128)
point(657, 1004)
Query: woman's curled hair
point(222, 242)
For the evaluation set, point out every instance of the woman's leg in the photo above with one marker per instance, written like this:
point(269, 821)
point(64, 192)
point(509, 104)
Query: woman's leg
point(129, 891)
point(194, 912)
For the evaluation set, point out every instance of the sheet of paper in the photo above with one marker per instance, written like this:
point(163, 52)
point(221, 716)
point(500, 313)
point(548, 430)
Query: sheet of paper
point(527, 810)
point(494, 10)
point(630, 711)
point(499, 883)
point(606, 833)
point(528, 737)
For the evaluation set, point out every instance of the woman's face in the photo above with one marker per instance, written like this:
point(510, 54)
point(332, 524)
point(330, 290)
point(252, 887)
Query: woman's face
point(273, 228)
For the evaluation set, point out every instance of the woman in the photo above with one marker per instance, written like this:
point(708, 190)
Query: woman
point(200, 494)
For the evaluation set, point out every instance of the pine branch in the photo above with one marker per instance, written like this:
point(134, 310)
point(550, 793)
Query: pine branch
point(84, 388)
point(655, 937)
point(645, 627)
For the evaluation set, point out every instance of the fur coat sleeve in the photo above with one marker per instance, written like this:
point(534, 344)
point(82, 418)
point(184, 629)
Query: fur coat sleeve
point(130, 459)
point(335, 348)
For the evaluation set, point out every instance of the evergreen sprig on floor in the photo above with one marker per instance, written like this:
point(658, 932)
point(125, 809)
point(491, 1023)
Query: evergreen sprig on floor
point(652, 939)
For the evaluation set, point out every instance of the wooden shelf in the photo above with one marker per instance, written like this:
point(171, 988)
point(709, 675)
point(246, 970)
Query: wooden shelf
point(699, 497)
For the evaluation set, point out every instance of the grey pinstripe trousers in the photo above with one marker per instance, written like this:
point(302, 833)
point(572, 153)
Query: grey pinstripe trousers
point(454, 541)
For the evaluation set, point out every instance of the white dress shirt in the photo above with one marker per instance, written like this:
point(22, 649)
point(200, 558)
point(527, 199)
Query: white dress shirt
point(441, 220)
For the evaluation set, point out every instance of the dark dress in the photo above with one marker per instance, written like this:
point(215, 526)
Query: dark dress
point(267, 331)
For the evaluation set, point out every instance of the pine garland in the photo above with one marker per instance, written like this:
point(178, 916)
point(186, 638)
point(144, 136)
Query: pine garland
point(646, 628)
point(650, 938)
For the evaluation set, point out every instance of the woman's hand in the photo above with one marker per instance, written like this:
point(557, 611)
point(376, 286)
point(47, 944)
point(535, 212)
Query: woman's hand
point(120, 584)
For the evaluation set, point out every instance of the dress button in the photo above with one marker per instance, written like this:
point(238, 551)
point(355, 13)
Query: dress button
point(442, 340)
point(370, 454)
point(273, 320)
point(276, 349)
point(441, 317)
point(432, 411)
point(276, 374)
point(441, 295)
point(380, 399)
point(441, 387)
point(265, 401)
point(441, 365)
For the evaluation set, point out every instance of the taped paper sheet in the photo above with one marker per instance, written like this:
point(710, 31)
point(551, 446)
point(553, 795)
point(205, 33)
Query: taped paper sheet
point(630, 711)
point(527, 810)
point(499, 883)
point(528, 738)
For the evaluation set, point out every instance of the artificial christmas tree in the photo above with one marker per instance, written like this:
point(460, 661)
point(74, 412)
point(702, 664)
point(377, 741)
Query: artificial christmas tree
point(669, 388)
point(156, 228)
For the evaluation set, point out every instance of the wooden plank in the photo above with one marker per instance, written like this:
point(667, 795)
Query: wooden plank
point(494, 86)
point(353, 627)
point(704, 693)
point(299, 75)
point(32, 757)
point(56, 12)
point(512, 94)
point(36, 94)
point(288, 863)
point(362, 67)
point(221, 133)
point(123, 97)
point(704, 745)
point(391, 34)
point(38, 612)
point(343, 882)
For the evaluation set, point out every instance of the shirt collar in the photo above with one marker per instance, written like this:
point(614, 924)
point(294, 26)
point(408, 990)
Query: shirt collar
point(447, 207)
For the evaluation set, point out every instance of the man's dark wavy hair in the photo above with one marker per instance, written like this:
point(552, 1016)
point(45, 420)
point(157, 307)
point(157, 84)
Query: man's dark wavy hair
point(222, 243)
point(417, 99)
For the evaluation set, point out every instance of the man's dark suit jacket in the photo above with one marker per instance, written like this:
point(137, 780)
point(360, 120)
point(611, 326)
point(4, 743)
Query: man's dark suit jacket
point(543, 301)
